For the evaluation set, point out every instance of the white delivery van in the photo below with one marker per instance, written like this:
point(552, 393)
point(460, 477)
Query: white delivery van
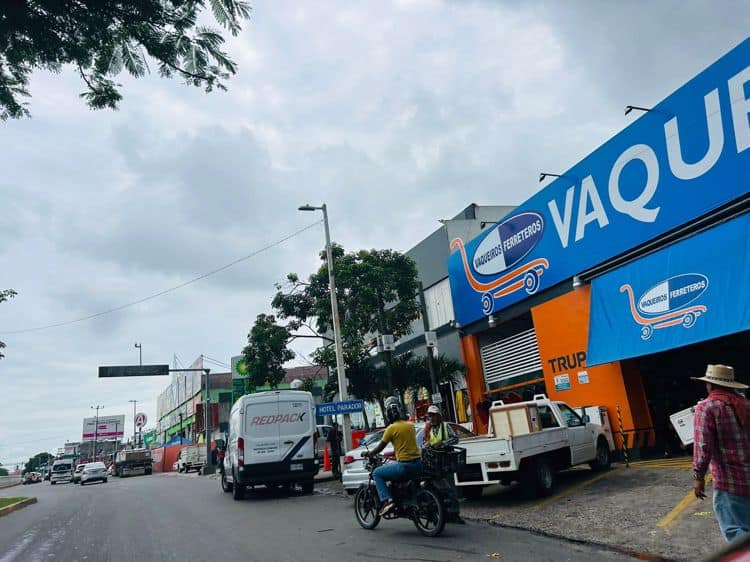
point(62, 471)
point(271, 442)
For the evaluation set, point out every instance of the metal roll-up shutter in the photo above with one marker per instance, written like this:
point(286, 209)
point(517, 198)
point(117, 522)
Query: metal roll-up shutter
point(511, 357)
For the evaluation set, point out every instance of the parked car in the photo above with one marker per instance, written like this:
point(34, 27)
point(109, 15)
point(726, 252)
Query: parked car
point(532, 441)
point(32, 477)
point(62, 471)
point(77, 473)
point(355, 473)
point(271, 442)
point(94, 472)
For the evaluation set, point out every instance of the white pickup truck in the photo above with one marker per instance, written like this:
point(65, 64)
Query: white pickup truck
point(532, 442)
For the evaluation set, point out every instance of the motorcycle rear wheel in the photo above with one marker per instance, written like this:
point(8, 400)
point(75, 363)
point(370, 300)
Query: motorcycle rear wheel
point(366, 507)
point(429, 514)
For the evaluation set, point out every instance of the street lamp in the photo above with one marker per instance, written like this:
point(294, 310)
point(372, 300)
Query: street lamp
point(139, 347)
point(336, 322)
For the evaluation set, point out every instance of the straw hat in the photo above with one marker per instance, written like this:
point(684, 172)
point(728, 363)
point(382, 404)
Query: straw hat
point(720, 375)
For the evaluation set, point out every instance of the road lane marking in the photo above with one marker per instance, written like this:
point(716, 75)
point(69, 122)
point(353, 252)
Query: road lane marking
point(669, 519)
point(575, 488)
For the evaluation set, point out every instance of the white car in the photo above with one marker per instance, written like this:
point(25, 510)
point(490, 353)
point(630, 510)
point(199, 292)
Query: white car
point(355, 474)
point(77, 473)
point(94, 472)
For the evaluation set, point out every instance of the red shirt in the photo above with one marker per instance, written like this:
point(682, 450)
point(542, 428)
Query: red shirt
point(723, 443)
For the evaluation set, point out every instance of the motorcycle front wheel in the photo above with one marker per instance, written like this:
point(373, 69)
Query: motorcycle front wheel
point(366, 507)
point(429, 513)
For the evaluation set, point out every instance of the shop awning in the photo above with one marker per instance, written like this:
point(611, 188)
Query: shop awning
point(694, 290)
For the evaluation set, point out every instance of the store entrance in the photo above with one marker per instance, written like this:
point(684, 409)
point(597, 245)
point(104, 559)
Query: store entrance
point(669, 389)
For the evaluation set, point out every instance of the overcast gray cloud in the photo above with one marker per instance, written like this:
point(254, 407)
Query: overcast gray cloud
point(396, 113)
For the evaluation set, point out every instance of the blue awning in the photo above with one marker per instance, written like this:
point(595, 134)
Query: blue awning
point(695, 290)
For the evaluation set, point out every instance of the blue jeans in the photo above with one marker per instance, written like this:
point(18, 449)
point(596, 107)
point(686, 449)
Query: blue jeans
point(394, 471)
point(733, 513)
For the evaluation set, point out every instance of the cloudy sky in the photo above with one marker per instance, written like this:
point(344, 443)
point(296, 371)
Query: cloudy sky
point(396, 113)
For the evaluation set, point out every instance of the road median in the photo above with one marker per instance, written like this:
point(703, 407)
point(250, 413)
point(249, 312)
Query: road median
point(9, 505)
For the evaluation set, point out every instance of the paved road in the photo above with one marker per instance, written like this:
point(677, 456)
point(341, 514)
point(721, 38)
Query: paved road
point(187, 518)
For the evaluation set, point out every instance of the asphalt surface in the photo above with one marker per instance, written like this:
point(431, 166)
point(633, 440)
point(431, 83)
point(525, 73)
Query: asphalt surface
point(187, 518)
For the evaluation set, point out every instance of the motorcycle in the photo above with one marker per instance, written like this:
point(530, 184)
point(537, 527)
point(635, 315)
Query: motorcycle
point(418, 498)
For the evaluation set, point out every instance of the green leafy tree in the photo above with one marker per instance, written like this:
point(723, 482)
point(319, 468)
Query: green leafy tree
point(4, 296)
point(101, 38)
point(40, 459)
point(266, 351)
point(377, 292)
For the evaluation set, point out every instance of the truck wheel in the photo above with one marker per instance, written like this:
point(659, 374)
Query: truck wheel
point(602, 460)
point(308, 486)
point(539, 478)
point(472, 492)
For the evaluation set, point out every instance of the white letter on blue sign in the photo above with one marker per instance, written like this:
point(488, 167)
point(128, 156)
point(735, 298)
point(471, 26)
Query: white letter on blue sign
point(562, 225)
point(589, 193)
point(740, 108)
point(679, 167)
point(637, 207)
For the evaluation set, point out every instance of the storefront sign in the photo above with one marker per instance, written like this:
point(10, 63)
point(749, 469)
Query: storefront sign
point(333, 408)
point(692, 291)
point(686, 157)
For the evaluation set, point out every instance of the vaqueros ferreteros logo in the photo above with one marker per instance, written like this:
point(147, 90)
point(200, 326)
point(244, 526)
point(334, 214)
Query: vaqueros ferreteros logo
point(499, 252)
point(668, 303)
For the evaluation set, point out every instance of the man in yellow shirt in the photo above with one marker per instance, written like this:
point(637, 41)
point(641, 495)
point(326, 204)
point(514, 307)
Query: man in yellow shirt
point(408, 458)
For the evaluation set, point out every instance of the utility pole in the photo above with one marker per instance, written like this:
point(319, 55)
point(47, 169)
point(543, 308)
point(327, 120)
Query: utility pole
point(96, 428)
point(134, 429)
point(114, 450)
point(207, 423)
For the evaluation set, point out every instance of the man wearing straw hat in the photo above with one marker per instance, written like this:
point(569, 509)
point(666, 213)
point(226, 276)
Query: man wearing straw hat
point(722, 440)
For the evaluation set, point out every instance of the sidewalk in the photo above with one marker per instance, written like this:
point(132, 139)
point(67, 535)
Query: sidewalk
point(646, 510)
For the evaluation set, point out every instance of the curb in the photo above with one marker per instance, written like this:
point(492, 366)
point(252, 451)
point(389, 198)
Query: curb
point(612, 548)
point(16, 506)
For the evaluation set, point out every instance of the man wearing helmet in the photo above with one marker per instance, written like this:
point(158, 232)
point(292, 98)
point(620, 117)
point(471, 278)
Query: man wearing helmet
point(408, 459)
point(439, 435)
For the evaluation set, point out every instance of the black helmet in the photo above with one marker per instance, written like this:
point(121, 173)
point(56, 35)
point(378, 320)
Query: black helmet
point(393, 409)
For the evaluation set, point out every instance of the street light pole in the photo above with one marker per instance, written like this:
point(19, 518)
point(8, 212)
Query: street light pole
point(140, 353)
point(134, 405)
point(340, 369)
point(96, 427)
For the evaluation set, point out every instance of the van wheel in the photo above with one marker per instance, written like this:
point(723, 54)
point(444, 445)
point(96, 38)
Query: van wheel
point(225, 486)
point(602, 460)
point(238, 492)
point(308, 486)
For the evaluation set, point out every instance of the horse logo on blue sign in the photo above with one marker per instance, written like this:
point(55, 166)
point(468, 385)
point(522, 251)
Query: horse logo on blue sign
point(666, 303)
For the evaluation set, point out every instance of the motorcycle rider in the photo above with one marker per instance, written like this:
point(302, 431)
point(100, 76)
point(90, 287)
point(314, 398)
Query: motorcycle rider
point(439, 435)
point(408, 458)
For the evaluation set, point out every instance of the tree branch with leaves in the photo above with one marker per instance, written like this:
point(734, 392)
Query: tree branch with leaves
point(4, 296)
point(266, 351)
point(102, 38)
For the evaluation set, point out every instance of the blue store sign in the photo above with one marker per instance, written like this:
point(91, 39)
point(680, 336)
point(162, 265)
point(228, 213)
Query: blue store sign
point(695, 290)
point(685, 158)
point(333, 408)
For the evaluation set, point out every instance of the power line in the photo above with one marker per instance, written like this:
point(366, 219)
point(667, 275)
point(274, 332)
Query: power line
point(216, 362)
point(169, 290)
